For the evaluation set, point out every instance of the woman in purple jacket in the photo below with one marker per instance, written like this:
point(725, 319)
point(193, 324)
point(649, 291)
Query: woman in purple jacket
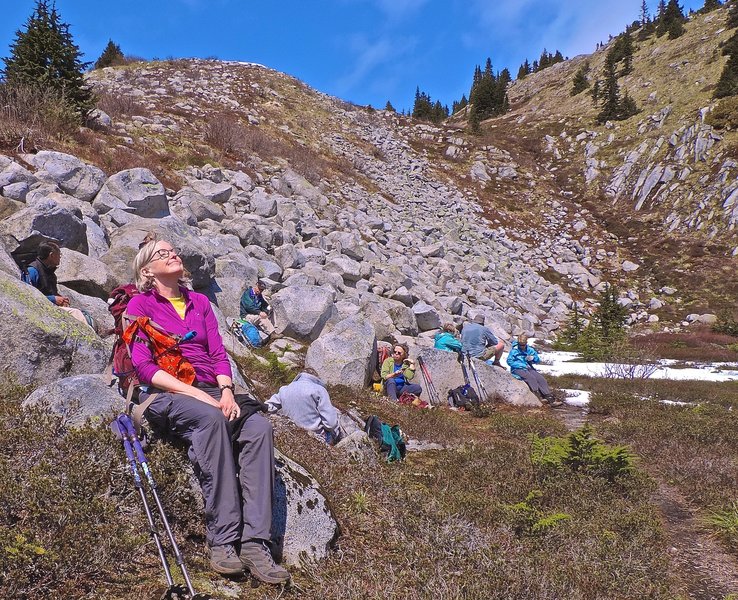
point(238, 522)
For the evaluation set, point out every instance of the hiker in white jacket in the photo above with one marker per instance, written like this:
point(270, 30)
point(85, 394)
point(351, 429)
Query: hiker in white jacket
point(307, 403)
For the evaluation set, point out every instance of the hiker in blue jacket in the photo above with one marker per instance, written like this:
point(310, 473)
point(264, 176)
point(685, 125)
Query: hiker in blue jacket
point(521, 359)
point(446, 339)
point(255, 309)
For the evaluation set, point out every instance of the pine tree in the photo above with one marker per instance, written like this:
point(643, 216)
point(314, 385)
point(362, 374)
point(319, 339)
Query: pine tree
point(389, 107)
point(610, 316)
point(580, 81)
point(111, 56)
point(45, 56)
point(475, 125)
point(727, 85)
point(710, 5)
point(671, 20)
point(628, 107)
point(610, 93)
point(596, 91)
point(645, 19)
point(573, 329)
point(524, 69)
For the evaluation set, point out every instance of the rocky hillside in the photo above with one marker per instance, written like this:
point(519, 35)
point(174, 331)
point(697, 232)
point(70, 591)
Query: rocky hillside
point(428, 221)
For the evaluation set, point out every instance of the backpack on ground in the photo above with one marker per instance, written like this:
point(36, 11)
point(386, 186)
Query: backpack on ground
point(246, 333)
point(463, 397)
point(389, 437)
point(408, 399)
point(122, 367)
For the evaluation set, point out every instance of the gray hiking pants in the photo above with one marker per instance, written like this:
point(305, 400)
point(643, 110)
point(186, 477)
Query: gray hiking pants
point(232, 511)
point(535, 381)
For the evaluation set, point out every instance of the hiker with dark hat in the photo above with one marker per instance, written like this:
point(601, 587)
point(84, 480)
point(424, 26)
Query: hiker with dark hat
point(42, 276)
point(238, 497)
point(305, 401)
point(255, 309)
point(479, 342)
point(397, 372)
point(446, 339)
point(521, 359)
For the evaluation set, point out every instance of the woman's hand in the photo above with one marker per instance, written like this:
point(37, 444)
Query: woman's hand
point(228, 405)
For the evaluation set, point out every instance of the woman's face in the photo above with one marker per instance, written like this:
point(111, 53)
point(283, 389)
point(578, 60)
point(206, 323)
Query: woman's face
point(165, 264)
point(398, 353)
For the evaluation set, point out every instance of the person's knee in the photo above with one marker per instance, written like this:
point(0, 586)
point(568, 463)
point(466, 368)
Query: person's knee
point(256, 427)
point(500, 346)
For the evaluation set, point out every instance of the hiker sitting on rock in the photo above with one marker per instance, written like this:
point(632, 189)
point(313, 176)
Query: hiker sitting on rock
point(238, 497)
point(307, 403)
point(480, 342)
point(446, 339)
point(255, 309)
point(42, 276)
point(521, 359)
point(397, 372)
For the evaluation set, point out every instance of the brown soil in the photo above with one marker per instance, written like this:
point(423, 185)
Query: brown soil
point(707, 572)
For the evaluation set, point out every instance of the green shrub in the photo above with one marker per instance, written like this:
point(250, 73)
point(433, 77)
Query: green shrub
point(726, 324)
point(582, 453)
point(527, 518)
point(725, 522)
point(725, 114)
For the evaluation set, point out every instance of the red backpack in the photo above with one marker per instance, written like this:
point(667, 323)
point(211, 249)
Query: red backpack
point(120, 358)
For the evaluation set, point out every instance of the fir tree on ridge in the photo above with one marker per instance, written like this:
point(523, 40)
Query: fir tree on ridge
point(110, 57)
point(44, 55)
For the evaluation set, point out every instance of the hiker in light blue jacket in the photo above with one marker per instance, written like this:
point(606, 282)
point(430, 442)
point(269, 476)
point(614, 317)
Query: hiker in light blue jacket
point(307, 403)
point(446, 339)
point(521, 359)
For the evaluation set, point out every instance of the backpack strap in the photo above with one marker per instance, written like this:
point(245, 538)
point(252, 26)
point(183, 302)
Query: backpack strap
point(136, 411)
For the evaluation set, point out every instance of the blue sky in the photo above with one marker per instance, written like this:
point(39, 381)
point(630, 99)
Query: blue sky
point(365, 51)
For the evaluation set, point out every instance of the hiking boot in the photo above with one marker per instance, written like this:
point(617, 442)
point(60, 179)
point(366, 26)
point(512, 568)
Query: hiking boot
point(257, 558)
point(552, 401)
point(224, 560)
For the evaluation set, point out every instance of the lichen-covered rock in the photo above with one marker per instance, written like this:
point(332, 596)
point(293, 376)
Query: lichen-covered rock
point(73, 177)
point(346, 354)
point(39, 342)
point(135, 190)
point(79, 398)
point(302, 311)
point(303, 526)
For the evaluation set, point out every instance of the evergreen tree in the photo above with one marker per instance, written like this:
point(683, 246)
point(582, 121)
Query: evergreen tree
point(710, 5)
point(580, 81)
point(596, 91)
point(572, 331)
point(628, 107)
point(671, 20)
point(474, 121)
point(389, 107)
point(732, 22)
point(111, 56)
point(727, 85)
point(488, 68)
point(610, 93)
point(645, 19)
point(610, 315)
point(422, 108)
point(45, 56)
point(660, 10)
point(524, 69)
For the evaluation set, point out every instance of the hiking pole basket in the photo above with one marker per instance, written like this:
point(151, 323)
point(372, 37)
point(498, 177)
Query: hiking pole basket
point(123, 427)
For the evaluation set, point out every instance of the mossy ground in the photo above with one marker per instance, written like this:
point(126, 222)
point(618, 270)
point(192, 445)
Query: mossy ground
point(479, 519)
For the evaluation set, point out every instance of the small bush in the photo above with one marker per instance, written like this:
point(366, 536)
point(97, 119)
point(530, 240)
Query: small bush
point(727, 325)
point(725, 114)
point(117, 105)
point(583, 453)
point(528, 519)
point(225, 133)
point(31, 116)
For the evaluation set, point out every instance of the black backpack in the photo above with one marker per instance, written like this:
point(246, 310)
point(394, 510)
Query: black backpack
point(463, 397)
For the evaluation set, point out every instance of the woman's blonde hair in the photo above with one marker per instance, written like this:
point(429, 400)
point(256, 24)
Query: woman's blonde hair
point(449, 328)
point(144, 257)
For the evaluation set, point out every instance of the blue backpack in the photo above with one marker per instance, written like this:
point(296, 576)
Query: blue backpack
point(246, 333)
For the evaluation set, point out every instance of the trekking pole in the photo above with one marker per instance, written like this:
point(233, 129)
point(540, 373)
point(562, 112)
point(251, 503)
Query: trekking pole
point(432, 391)
point(130, 431)
point(477, 380)
point(121, 433)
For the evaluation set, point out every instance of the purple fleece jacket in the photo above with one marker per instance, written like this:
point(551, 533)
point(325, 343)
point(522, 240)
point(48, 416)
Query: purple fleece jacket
point(205, 351)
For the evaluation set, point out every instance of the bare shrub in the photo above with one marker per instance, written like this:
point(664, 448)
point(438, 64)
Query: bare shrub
point(118, 105)
point(29, 116)
point(633, 362)
point(225, 133)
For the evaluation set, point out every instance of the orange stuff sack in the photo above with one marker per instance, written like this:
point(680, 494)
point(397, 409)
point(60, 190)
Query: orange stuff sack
point(164, 348)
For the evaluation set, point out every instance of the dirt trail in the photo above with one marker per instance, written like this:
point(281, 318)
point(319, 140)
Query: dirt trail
point(706, 571)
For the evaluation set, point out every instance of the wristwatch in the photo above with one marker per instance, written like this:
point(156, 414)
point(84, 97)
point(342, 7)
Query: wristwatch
point(230, 386)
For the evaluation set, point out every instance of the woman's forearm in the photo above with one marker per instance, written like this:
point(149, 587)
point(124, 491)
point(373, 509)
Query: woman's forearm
point(169, 383)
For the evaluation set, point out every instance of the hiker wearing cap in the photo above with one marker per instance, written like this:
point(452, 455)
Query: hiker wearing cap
point(42, 276)
point(446, 339)
point(306, 403)
point(238, 497)
point(521, 359)
point(397, 372)
point(479, 341)
point(255, 309)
